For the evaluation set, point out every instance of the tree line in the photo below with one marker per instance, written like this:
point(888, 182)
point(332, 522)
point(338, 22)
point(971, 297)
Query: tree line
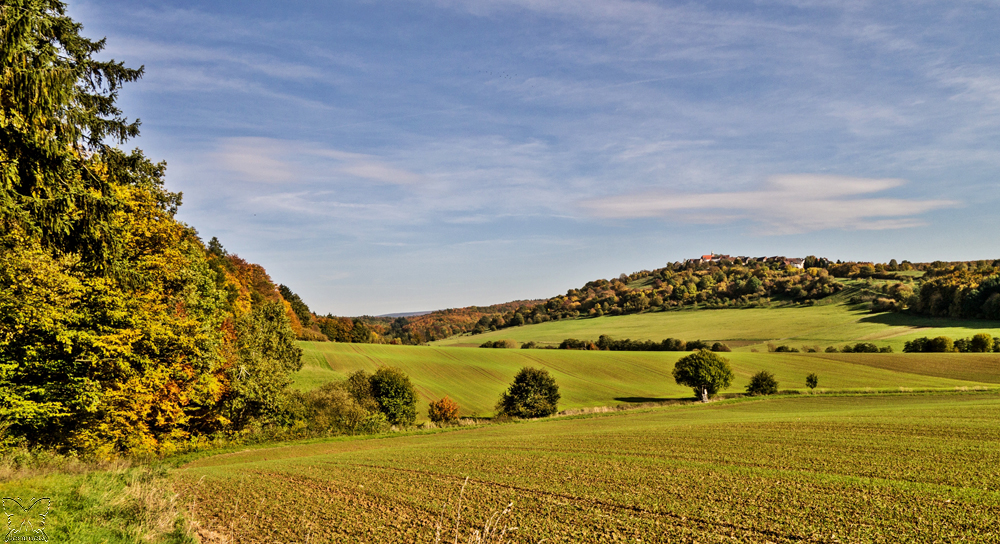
point(977, 343)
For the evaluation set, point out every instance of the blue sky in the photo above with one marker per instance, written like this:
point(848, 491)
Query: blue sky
point(399, 156)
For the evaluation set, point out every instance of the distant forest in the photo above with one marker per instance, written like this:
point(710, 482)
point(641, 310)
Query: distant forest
point(969, 289)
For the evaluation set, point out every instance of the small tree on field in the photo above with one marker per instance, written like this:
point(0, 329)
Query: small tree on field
point(533, 393)
point(704, 371)
point(443, 411)
point(812, 381)
point(395, 395)
point(762, 383)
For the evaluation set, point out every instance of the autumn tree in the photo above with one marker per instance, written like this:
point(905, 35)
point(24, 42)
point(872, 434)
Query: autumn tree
point(119, 330)
point(298, 306)
point(443, 410)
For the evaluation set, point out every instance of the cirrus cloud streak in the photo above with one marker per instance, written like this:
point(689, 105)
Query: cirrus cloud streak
point(787, 204)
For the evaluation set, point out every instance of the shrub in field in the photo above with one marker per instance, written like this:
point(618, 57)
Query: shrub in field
point(860, 347)
point(695, 345)
point(529, 345)
point(916, 345)
point(830, 349)
point(940, 344)
point(786, 349)
point(443, 411)
point(395, 395)
point(812, 380)
point(720, 347)
point(762, 383)
point(981, 343)
point(501, 344)
point(573, 343)
point(533, 393)
point(605, 342)
point(332, 408)
point(359, 386)
point(704, 371)
point(883, 304)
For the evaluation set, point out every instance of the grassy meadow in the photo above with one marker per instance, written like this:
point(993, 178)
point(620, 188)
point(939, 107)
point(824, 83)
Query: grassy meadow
point(876, 468)
point(124, 502)
point(818, 325)
point(475, 377)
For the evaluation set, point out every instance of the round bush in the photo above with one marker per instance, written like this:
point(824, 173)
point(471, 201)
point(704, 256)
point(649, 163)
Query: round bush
point(719, 346)
point(533, 393)
point(395, 395)
point(443, 411)
point(762, 383)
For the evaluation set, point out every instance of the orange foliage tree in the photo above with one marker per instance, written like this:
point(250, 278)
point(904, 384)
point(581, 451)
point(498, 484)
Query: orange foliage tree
point(444, 410)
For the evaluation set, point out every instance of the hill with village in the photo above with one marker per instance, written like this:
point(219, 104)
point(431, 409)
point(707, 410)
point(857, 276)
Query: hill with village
point(711, 281)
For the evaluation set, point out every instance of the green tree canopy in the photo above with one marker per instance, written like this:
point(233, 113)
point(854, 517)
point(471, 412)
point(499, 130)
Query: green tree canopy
point(981, 343)
point(533, 393)
point(704, 371)
point(395, 395)
point(762, 383)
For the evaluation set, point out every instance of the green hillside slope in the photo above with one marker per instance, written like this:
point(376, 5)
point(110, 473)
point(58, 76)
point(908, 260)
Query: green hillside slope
point(476, 377)
point(820, 325)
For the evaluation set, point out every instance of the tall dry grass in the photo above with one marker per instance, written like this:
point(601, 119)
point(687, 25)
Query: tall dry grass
point(493, 531)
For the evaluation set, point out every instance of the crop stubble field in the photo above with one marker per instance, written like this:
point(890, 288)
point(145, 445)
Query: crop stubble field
point(891, 468)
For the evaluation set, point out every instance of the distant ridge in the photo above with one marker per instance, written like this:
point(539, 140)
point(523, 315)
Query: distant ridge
point(407, 314)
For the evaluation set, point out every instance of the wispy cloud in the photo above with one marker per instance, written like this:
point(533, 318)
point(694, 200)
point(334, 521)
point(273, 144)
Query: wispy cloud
point(786, 204)
point(256, 159)
point(270, 160)
point(174, 53)
point(351, 138)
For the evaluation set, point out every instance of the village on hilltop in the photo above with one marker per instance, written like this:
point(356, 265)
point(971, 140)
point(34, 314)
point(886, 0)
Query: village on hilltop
point(715, 257)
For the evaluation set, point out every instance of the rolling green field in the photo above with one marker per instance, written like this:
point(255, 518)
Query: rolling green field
point(820, 325)
point(475, 377)
point(880, 468)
